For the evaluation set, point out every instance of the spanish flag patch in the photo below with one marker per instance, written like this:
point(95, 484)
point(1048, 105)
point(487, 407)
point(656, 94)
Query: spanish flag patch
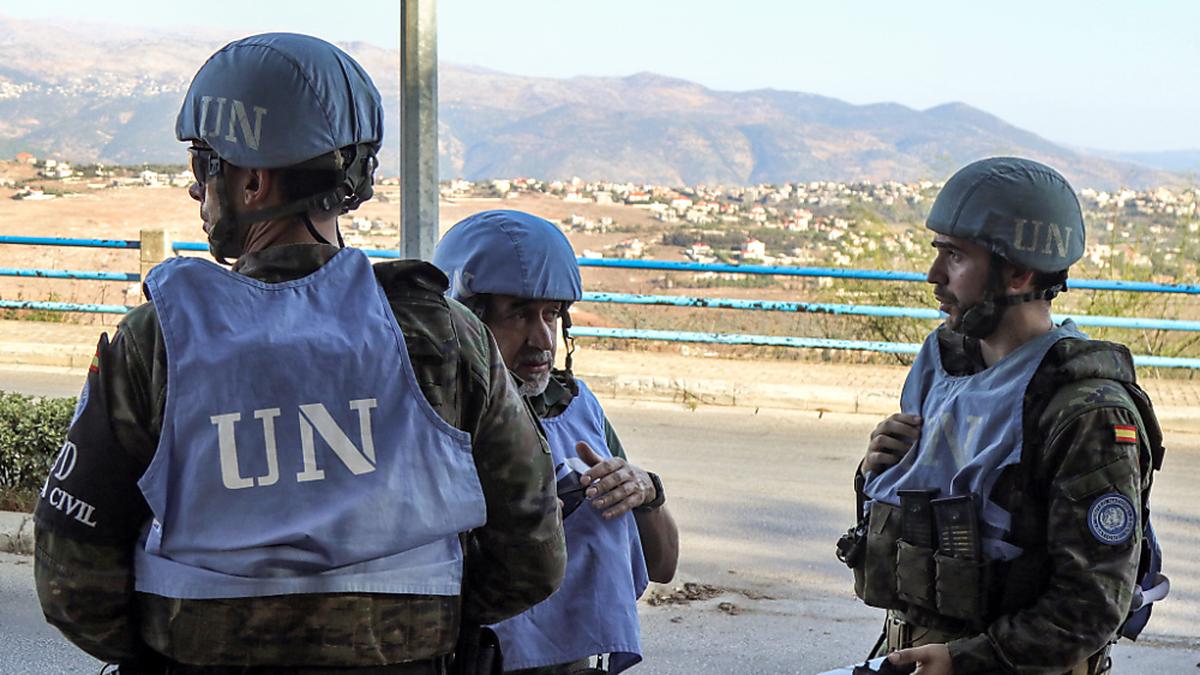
point(1125, 434)
point(95, 367)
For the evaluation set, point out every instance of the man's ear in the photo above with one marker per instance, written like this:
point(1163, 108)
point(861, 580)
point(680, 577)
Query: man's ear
point(257, 189)
point(1019, 279)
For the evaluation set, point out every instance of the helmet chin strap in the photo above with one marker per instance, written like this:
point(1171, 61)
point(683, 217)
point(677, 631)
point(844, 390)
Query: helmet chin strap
point(569, 343)
point(355, 169)
point(981, 319)
point(227, 237)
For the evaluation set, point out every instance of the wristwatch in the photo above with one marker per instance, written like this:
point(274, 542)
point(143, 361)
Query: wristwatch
point(660, 497)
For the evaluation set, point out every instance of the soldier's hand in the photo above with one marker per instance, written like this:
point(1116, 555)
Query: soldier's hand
point(613, 485)
point(930, 659)
point(890, 440)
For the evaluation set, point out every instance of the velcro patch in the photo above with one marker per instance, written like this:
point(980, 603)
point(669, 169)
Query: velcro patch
point(1112, 519)
point(1125, 434)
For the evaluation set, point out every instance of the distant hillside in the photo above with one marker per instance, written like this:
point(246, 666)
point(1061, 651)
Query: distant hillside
point(98, 93)
point(1180, 161)
point(92, 92)
point(650, 128)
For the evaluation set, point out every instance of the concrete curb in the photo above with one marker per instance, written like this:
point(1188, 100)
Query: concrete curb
point(16, 533)
point(693, 392)
point(819, 398)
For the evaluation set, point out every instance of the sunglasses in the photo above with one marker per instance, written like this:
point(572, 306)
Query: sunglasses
point(205, 163)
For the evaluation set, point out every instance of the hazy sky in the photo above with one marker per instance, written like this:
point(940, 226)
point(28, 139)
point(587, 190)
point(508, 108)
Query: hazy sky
point(1100, 74)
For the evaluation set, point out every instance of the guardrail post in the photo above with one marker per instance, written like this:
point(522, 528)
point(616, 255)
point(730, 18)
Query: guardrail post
point(155, 248)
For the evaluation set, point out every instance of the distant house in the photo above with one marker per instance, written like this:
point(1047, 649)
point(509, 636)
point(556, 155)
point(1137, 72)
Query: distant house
point(25, 158)
point(631, 248)
point(754, 249)
point(34, 194)
point(698, 251)
point(681, 204)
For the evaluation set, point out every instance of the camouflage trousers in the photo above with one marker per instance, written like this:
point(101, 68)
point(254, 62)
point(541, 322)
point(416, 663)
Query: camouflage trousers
point(900, 634)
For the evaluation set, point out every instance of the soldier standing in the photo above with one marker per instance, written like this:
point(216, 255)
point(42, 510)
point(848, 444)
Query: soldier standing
point(1005, 508)
point(276, 468)
point(519, 274)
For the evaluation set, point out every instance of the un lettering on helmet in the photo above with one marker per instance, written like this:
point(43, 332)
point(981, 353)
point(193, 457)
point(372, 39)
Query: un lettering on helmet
point(251, 134)
point(278, 100)
point(1023, 210)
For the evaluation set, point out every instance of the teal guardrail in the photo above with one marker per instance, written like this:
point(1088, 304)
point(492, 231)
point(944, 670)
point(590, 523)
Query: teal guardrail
point(869, 310)
point(811, 343)
point(868, 275)
point(1135, 323)
point(66, 241)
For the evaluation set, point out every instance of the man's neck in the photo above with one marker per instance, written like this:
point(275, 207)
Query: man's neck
point(288, 230)
point(1020, 324)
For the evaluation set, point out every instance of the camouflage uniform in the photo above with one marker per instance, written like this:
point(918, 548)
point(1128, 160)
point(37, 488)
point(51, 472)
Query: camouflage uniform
point(1061, 602)
point(85, 576)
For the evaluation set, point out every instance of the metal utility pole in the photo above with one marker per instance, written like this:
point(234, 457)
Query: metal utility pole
point(418, 121)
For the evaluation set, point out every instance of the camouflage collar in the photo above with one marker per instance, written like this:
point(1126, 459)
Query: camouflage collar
point(1069, 360)
point(284, 263)
point(556, 398)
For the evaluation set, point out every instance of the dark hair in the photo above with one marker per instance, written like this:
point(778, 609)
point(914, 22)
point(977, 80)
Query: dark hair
point(1047, 280)
point(1042, 281)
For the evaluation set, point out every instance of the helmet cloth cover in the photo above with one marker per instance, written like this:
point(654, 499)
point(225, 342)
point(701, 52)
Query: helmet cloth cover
point(509, 253)
point(280, 99)
point(1022, 210)
point(283, 100)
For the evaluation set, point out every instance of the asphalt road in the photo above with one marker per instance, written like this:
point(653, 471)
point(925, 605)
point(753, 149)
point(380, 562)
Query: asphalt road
point(760, 497)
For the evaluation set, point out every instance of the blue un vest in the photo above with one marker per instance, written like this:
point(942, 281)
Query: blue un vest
point(972, 428)
point(298, 454)
point(595, 609)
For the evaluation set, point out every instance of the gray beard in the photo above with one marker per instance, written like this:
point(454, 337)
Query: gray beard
point(536, 386)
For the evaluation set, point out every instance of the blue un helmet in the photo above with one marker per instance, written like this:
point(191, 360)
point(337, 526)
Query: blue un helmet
point(1024, 212)
point(282, 100)
point(510, 253)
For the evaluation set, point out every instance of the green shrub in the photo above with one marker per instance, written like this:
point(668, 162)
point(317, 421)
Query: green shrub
point(31, 432)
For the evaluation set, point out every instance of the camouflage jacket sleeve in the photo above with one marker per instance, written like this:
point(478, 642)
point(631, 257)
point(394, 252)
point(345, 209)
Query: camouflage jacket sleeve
point(615, 447)
point(91, 509)
point(1089, 475)
point(519, 556)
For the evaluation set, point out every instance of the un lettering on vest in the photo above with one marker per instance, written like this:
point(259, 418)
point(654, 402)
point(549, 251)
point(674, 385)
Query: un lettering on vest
point(1035, 236)
point(238, 120)
point(961, 440)
point(313, 419)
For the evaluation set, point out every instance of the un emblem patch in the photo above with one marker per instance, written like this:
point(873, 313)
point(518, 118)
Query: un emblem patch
point(1112, 519)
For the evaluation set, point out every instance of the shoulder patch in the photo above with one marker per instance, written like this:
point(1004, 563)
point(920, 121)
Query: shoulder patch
point(1112, 518)
point(1125, 433)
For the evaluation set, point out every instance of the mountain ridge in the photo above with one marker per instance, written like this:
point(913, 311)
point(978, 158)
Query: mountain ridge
point(111, 95)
